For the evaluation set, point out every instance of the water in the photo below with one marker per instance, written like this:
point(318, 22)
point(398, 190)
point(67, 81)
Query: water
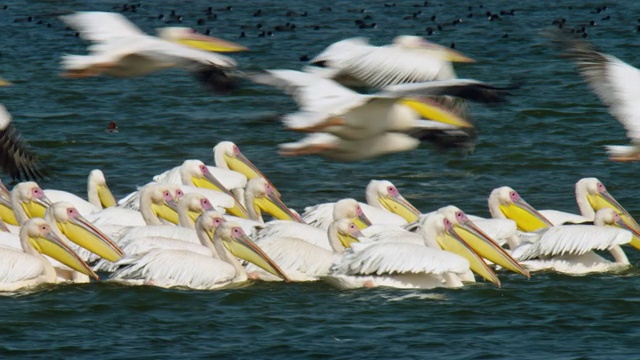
point(549, 135)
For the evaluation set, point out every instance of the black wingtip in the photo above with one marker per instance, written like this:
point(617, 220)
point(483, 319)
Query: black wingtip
point(215, 79)
point(17, 159)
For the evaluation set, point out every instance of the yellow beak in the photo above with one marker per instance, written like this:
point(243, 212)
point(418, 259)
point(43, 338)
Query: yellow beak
point(167, 210)
point(84, 233)
point(4, 82)
point(208, 43)
point(272, 205)
point(400, 206)
point(362, 221)
point(241, 246)
point(241, 164)
point(526, 217)
point(36, 207)
point(6, 213)
point(605, 200)
point(50, 244)
point(431, 110)
point(106, 197)
point(210, 182)
point(487, 248)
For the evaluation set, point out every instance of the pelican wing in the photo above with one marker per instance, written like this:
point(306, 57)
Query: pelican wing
point(281, 228)
point(615, 82)
point(399, 258)
point(18, 160)
point(101, 26)
point(176, 268)
point(321, 215)
point(561, 217)
point(16, 266)
point(576, 240)
point(463, 88)
point(381, 66)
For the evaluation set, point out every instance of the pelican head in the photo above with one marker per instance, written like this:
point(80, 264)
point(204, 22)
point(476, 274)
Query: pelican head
point(197, 173)
point(238, 243)
point(351, 209)
point(347, 232)
point(442, 52)
point(260, 196)
point(192, 206)
point(81, 231)
point(31, 200)
point(479, 241)
point(208, 222)
point(189, 37)
point(37, 234)
point(506, 203)
point(6, 210)
point(98, 192)
point(160, 199)
point(592, 196)
point(429, 109)
point(382, 194)
point(227, 155)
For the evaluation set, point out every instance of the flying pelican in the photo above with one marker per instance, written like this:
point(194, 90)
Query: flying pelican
point(98, 194)
point(18, 159)
point(408, 59)
point(326, 106)
point(176, 268)
point(28, 268)
point(121, 49)
point(569, 249)
point(398, 264)
point(616, 83)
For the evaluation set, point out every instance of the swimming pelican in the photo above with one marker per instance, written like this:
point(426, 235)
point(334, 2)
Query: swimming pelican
point(121, 49)
point(398, 264)
point(98, 194)
point(384, 195)
point(179, 268)
point(228, 156)
point(569, 249)
point(615, 83)
point(28, 268)
point(28, 201)
point(260, 197)
point(328, 107)
point(19, 161)
point(355, 62)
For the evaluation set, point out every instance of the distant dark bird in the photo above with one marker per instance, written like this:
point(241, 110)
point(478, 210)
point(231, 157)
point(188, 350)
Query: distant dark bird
point(615, 82)
point(112, 127)
point(16, 157)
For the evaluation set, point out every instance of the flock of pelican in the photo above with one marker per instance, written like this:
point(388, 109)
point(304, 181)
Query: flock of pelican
point(202, 226)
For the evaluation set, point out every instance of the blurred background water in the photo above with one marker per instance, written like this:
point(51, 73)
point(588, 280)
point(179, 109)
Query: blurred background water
point(549, 135)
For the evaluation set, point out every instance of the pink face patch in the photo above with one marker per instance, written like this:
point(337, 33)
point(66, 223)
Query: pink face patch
point(601, 188)
point(72, 213)
point(461, 217)
point(236, 150)
point(514, 196)
point(206, 204)
point(392, 191)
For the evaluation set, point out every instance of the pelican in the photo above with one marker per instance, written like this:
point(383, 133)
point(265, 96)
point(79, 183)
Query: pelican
point(398, 264)
point(29, 268)
point(196, 174)
point(19, 161)
point(228, 156)
point(176, 268)
point(481, 243)
point(616, 83)
point(121, 49)
point(28, 201)
point(98, 194)
point(569, 249)
point(328, 107)
point(384, 195)
point(260, 197)
point(6, 209)
point(408, 59)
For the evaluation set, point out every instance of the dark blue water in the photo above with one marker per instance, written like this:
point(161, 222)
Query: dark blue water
point(549, 135)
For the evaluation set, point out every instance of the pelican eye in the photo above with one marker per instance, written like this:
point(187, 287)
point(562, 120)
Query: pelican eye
point(460, 215)
point(236, 150)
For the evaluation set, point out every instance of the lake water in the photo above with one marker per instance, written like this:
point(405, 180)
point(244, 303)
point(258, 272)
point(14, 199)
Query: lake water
point(549, 135)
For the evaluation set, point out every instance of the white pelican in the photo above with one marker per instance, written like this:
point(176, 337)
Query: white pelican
point(196, 174)
point(261, 197)
point(176, 268)
point(481, 243)
point(398, 264)
point(121, 49)
point(29, 268)
point(6, 209)
point(384, 195)
point(336, 148)
point(18, 160)
point(28, 201)
point(569, 249)
point(408, 59)
point(328, 107)
point(98, 194)
point(616, 83)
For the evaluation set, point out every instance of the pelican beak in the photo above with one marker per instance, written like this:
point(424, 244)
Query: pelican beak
point(486, 247)
point(106, 197)
point(194, 215)
point(210, 182)
point(452, 242)
point(84, 233)
point(209, 43)
point(4, 82)
point(431, 110)
point(36, 207)
point(624, 224)
point(272, 205)
point(3, 226)
point(362, 221)
point(241, 164)
point(241, 246)
point(50, 244)
point(346, 239)
point(400, 206)
point(446, 53)
point(167, 210)
point(6, 212)
point(605, 200)
point(526, 217)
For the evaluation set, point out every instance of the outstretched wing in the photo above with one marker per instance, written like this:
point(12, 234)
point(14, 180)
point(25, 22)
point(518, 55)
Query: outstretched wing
point(16, 158)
